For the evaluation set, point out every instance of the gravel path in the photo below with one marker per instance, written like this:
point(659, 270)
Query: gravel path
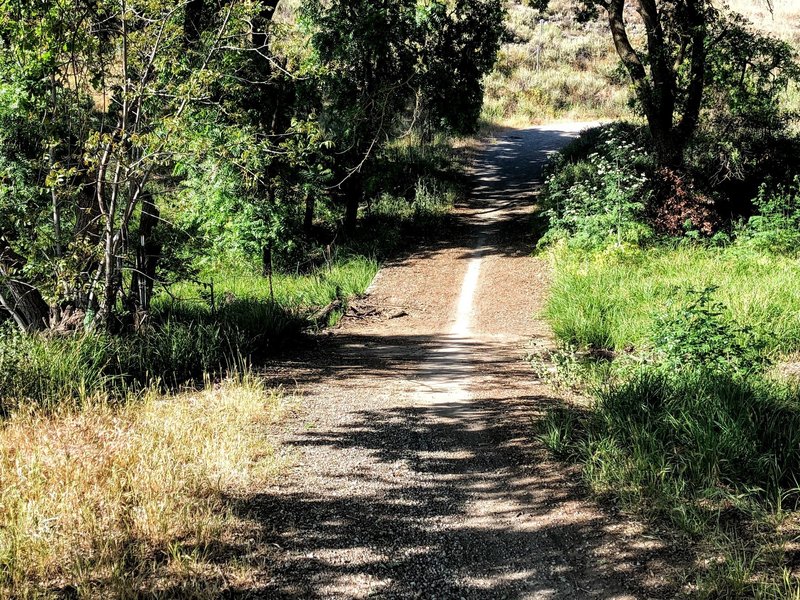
point(416, 471)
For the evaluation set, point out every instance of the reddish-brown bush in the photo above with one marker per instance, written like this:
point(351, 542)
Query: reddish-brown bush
point(677, 205)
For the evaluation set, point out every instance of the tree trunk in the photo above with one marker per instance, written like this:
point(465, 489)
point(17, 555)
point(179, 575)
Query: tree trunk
point(266, 265)
point(657, 94)
point(353, 189)
point(22, 301)
point(193, 21)
point(148, 252)
point(261, 34)
point(308, 219)
point(669, 146)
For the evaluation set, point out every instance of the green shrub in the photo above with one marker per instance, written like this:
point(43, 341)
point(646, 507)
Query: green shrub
point(776, 225)
point(599, 198)
point(699, 333)
point(52, 371)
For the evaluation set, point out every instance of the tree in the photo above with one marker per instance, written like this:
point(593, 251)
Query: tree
point(669, 78)
point(386, 66)
point(106, 93)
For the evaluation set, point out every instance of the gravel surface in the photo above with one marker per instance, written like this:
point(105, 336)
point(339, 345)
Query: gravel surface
point(416, 472)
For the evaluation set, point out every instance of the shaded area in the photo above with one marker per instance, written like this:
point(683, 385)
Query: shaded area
point(417, 475)
point(505, 178)
point(414, 535)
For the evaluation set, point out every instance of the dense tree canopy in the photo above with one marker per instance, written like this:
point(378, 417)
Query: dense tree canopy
point(139, 136)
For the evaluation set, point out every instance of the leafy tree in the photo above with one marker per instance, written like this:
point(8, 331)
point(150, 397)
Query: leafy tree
point(140, 137)
point(117, 84)
point(669, 77)
point(459, 43)
point(387, 65)
point(689, 45)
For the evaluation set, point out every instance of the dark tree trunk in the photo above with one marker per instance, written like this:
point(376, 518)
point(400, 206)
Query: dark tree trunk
point(353, 190)
point(308, 219)
point(261, 34)
point(148, 253)
point(267, 270)
point(669, 146)
point(193, 21)
point(657, 94)
point(22, 301)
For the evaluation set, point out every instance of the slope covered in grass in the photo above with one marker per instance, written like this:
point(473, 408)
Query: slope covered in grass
point(553, 67)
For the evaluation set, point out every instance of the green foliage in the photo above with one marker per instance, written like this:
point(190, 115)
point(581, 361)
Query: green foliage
point(747, 71)
point(460, 42)
point(599, 198)
point(187, 341)
point(141, 142)
point(697, 436)
point(776, 225)
point(613, 299)
point(698, 333)
point(379, 57)
point(51, 372)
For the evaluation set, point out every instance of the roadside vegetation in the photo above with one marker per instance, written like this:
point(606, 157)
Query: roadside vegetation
point(675, 304)
point(185, 189)
point(120, 500)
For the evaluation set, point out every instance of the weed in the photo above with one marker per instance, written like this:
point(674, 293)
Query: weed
point(612, 299)
point(596, 199)
point(776, 225)
point(699, 332)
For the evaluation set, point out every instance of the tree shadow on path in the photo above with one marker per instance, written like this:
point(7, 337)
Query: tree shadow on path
point(408, 523)
point(406, 492)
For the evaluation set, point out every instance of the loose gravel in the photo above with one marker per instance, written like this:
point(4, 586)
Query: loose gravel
point(416, 471)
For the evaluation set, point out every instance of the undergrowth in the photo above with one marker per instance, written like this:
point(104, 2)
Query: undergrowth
point(679, 327)
point(230, 316)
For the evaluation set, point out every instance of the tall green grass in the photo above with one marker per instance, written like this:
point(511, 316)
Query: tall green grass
point(611, 299)
point(686, 422)
point(189, 337)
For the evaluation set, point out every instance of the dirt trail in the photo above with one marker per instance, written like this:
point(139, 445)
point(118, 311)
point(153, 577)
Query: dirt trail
point(417, 475)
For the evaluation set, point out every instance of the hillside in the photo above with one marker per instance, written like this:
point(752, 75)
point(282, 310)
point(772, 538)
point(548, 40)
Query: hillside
point(553, 67)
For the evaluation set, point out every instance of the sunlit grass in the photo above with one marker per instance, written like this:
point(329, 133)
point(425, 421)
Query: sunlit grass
point(116, 500)
point(610, 299)
point(713, 454)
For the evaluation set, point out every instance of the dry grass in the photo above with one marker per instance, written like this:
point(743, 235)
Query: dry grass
point(782, 21)
point(555, 68)
point(119, 502)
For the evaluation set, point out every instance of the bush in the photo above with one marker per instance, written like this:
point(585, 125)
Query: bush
point(49, 372)
point(596, 199)
point(776, 226)
point(679, 208)
point(700, 333)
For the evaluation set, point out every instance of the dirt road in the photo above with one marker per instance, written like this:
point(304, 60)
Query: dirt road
point(417, 474)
